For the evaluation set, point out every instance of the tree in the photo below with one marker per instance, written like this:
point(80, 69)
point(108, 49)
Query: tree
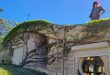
point(4, 28)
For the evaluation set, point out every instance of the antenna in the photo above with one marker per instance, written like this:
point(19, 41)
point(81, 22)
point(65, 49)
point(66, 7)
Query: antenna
point(28, 15)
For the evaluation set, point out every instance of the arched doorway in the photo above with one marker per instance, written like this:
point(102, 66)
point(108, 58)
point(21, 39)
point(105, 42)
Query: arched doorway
point(92, 66)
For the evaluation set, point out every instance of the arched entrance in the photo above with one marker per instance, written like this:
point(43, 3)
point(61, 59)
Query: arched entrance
point(92, 66)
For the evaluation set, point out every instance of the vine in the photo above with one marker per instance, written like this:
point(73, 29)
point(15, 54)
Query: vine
point(36, 25)
point(91, 29)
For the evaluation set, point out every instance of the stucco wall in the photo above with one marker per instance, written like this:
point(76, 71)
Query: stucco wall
point(17, 55)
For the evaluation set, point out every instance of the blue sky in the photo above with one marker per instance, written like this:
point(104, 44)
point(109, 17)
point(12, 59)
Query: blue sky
point(56, 11)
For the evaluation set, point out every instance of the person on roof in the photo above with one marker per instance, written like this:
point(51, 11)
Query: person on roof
point(96, 11)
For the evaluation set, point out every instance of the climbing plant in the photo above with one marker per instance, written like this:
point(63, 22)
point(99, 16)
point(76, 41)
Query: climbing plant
point(90, 30)
point(36, 25)
point(94, 27)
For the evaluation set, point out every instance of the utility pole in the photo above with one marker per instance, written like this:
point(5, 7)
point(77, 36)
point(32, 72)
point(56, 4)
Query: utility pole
point(64, 39)
point(63, 59)
point(63, 44)
point(57, 48)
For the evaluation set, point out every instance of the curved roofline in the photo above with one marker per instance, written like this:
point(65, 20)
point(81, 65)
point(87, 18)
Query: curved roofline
point(38, 25)
point(35, 25)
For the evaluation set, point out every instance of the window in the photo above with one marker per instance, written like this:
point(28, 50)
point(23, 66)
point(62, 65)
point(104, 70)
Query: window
point(93, 66)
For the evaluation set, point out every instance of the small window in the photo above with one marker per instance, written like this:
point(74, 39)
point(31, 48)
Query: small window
point(93, 66)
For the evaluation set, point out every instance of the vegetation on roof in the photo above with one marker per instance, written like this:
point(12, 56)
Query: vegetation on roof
point(92, 27)
point(35, 25)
